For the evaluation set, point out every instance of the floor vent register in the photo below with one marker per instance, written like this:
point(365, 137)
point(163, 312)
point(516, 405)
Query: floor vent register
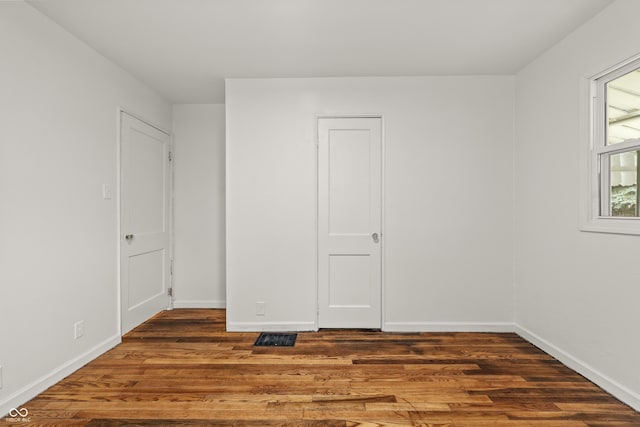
point(269, 339)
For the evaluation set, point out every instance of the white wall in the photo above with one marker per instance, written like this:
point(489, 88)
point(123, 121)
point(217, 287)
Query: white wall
point(577, 292)
point(448, 231)
point(199, 245)
point(59, 238)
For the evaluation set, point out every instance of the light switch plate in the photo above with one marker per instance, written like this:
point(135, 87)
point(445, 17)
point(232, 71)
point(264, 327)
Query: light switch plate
point(106, 192)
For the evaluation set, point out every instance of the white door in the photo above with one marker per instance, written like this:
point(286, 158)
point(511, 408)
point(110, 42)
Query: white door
point(349, 223)
point(144, 223)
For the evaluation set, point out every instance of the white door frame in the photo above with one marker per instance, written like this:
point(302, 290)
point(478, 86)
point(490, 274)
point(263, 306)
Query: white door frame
point(120, 111)
point(382, 210)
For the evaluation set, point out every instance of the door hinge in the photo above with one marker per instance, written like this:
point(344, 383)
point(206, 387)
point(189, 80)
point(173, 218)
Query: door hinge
point(170, 156)
point(170, 290)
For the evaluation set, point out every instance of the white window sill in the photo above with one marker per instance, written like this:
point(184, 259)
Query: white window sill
point(611, 225)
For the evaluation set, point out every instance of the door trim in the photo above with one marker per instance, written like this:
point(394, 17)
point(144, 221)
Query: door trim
point(382, 210)
point(118, 194)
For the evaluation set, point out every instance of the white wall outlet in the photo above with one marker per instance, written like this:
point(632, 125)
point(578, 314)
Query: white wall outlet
point(0, 376)
point(260, 308)
point(78, 329)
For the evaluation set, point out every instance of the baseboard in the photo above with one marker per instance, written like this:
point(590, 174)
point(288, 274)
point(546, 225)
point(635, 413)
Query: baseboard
point(618, 390)
point(271, 327)
point(448, 327)
point(33, 389)
point(199, 304)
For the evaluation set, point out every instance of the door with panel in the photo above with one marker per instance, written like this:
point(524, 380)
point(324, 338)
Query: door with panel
point(144, 221)
point(349, 222)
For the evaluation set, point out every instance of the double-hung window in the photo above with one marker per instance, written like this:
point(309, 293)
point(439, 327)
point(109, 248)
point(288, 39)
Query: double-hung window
point(615, 149)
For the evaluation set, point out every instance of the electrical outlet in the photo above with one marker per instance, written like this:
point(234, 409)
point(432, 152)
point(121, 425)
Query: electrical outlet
point(78, 329)
point(260, 308)
point(0, 376)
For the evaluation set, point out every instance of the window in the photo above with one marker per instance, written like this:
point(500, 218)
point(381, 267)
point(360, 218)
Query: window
point(615, 149)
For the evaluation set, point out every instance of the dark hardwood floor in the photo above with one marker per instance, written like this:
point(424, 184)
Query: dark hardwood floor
point(182, 369)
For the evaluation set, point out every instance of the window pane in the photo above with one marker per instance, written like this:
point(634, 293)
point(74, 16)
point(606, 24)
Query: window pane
point(624, 184)
point(623, 108)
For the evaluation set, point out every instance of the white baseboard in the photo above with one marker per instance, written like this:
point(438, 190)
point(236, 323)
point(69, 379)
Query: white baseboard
point(271, 327)
point(199, 304)
point(448, 327)
point(616, 389)
point(36, 387)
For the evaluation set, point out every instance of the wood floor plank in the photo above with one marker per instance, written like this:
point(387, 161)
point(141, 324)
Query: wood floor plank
point(182, 368)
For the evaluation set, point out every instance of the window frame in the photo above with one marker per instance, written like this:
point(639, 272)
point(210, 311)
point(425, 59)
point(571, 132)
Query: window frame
point(597, 194)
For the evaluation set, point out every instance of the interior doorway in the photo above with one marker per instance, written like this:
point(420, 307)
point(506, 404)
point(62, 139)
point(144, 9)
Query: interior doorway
point(145, 238)
point(350, 222)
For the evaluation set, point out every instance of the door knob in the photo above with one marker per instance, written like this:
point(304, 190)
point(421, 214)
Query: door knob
point(129, 236)
point(375, 237)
